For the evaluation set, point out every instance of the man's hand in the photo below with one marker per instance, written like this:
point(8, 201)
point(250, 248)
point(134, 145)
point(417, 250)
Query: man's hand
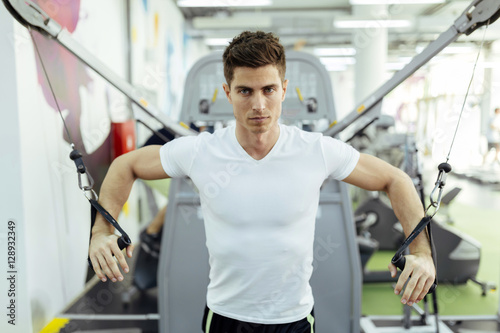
point(419, 272)
point(105, 253)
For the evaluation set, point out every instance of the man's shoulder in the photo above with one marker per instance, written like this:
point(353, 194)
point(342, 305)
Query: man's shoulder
point(205, 135)
point(218, 134)
point(297, 133)
point(206, 138)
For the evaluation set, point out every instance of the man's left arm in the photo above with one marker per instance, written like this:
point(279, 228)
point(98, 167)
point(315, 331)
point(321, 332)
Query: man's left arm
point(373, 174)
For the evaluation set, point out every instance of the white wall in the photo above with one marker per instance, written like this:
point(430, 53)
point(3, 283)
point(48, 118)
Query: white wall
point(11, 197)
point(158, 54)
point(41, 193)
point(41, 181)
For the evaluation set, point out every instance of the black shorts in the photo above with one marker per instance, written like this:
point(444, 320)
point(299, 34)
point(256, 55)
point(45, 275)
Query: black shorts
point(214, 323)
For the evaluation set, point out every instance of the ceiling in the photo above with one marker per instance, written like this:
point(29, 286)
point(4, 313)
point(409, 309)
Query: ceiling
point(309, 23)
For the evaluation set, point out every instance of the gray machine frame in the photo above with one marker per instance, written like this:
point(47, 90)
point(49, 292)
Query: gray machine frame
point(183, 268)
point(306, 100)
point(477, 14)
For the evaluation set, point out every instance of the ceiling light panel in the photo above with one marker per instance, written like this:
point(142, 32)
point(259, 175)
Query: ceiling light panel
point(395, 2)
point(334, 51)
point(361, 23)
point(223, 3)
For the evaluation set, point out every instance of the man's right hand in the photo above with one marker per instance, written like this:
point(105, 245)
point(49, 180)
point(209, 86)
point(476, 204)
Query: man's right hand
point(104, 252)
point(106, 255)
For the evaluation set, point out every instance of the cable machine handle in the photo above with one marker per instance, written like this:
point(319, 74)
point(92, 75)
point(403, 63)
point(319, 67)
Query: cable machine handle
point(400, 262)
point(124, 239)
point(123, 242)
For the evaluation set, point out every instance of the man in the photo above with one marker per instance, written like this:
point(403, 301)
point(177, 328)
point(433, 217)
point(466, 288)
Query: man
point(493, 136)
point(261, 223)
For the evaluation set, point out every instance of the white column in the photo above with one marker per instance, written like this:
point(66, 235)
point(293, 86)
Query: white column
point(371, 51)
point(486, 101)
point(14, 301)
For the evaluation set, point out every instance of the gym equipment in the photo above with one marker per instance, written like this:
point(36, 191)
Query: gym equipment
point(384, 227)
point(204, 103)
point(184, 266)
point(446, 201)
point(146, 258)
point(33, 17)
point(458, 254)
point(85, 180)
point(477, 14)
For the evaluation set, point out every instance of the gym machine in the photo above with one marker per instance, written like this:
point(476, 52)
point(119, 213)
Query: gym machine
point(476, 15)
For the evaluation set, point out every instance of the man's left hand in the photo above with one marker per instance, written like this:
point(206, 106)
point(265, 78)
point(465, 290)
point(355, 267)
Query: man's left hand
point(420, 273)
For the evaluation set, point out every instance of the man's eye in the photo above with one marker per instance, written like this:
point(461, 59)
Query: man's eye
point(244, 91)
point(269, 90)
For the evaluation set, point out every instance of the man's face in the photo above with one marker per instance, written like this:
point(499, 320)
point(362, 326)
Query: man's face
point(256, 95)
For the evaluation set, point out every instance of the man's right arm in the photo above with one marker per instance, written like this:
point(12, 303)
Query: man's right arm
point(143, 163)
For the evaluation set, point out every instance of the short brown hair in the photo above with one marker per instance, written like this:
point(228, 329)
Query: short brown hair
point(254, 49)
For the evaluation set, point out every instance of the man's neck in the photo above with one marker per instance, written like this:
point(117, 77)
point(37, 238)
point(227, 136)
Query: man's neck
point(257, 145)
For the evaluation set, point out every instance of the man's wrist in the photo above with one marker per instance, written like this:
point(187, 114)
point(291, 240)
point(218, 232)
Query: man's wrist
point(101, 227)
point(421, 245)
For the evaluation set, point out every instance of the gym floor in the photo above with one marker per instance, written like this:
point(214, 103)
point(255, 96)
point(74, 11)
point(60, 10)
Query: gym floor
point(475, 211)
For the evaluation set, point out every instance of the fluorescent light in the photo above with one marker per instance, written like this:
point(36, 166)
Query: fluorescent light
point(223, 3)
point(334, 51)
point(354, 23)
point(402, 62)
point(489, 64)
point(394, 2)
point(217, 41)
point(239, 22)
point(394, 66)
point(337, 64)
point(452, 49)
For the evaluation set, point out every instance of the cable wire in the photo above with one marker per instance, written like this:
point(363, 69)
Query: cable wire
point(467, 93)
point(51, 88)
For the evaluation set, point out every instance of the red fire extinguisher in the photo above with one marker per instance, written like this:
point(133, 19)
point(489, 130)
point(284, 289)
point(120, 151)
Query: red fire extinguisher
point(122, 137)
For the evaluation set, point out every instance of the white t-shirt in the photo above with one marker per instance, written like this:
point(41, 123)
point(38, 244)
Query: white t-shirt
point(259, 216)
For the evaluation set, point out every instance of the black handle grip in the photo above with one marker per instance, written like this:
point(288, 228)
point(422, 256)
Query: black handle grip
point(400, 262)
point(123, 242)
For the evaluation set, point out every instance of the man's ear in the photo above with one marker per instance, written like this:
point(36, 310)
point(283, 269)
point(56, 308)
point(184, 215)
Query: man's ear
point(285, 84)
point(227, 90)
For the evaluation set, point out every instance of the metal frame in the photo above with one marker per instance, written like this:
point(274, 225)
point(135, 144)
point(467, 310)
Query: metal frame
point(33, 17)
point(477, 14)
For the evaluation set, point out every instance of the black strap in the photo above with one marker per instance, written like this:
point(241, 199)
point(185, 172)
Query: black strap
point(108, 217)
point(433, 287)
point(124, 239)
point(424, 222)
point(399, 260)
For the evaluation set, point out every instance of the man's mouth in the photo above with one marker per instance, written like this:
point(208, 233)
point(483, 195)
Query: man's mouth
point(258, 118)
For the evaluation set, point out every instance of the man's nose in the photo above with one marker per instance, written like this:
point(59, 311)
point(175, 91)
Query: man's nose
point(259, 102)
